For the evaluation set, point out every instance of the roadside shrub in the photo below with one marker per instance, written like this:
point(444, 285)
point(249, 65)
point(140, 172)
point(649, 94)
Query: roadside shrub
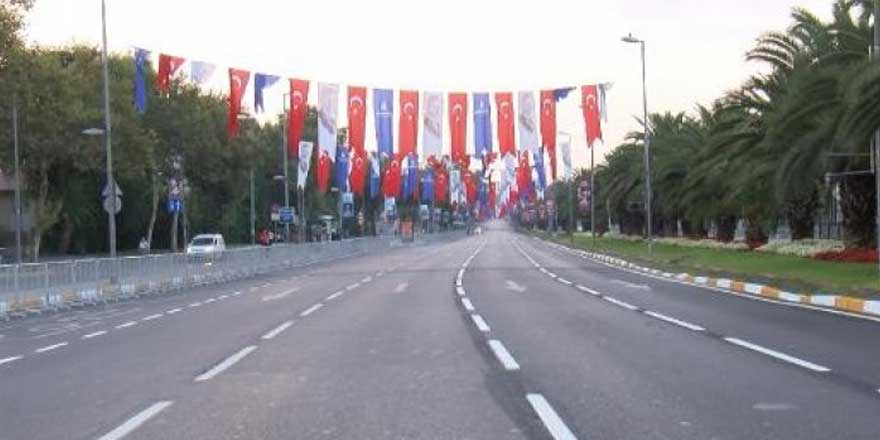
point(703, 243)
point(849, 256)
point(802, 248)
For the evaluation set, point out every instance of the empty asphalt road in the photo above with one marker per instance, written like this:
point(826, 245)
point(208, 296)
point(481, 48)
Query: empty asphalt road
point(496, 336)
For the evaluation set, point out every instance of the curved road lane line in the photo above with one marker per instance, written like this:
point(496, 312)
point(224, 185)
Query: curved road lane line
point(228, 362)
point(133, 423)
point(551, 420)
point(503, 355)
point(778, 355)
point(677, 322)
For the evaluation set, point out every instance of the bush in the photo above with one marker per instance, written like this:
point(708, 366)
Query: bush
point(703, 243)
point(802, 248)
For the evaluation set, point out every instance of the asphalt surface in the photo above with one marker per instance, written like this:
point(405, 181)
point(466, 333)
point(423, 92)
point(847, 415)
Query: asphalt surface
point(493, 336)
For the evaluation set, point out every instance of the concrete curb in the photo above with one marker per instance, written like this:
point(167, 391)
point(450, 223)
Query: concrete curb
point(841, 303)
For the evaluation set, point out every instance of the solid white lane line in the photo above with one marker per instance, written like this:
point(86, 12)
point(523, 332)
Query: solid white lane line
point(126, 325)
point(366, 279)
point(778, 355)
point(50, 347)
point(151, 317)
point(677, 322)
point(210, 300)
point(564, 281)
point(94, 334)
point(467, 304)
point(195, 304)
point(352, 286)
point(133, 423)
point(620, 303)
point(587, 289)
point(551, 420)
point(228, 362)
point(173, 311)
point(480, 323)
point(336, 295)
point(503, 355)
point(10, 359)
point(311, 310)
point(459, 290)
point(274, 332)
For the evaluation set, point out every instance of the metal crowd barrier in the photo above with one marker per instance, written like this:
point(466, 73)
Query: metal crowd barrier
point(40, 287)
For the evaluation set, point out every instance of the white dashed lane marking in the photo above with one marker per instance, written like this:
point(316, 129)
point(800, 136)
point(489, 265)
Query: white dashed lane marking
point(94, 334)
point(778, 355)
point(133, 423)
point(152, 317)
point(401, 287)
point(677, 322)
point(480, 323)
point(274, 332)
point(228, 362)
point(352, 286)
point(335, 295)
point(126, 325)
point(551, 420)
point(503, 355)
point(195, 304)
point(50, 347)
point(210, 300)
point(311, 310)
point(620, 303)
point(587, 289)
point(467, 304)
point(10, 359)
point(173, 311)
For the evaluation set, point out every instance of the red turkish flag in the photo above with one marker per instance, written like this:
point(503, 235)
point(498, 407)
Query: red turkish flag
point(322, 174)
point(470, 186)
point(590, 103)
point(548, 127)
point(238, 81)
point(357, 114)
point(513, 196)
point(168, 64)
point(506, 141)
point(441, 184)
point(391, 178)
point(357, 174)
point(458, 109)
point(409, 121)
point(524, 171)
point(296, 116)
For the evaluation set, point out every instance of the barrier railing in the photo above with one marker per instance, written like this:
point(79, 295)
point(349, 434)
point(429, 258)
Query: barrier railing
point(39, 287)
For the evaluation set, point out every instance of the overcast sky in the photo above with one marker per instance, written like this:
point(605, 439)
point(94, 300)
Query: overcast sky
point(695, 48)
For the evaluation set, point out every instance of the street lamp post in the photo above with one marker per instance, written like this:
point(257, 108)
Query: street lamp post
point(18, 252)
point(111, 216)
point(647, 141)
point(874, 54)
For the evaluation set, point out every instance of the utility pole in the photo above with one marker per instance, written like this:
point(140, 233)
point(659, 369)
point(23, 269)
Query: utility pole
point(18, 252)
point(111, 182)
point(874, 53)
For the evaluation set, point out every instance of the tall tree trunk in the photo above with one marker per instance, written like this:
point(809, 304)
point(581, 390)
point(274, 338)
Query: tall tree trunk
point(154, 211)
point(726, 228)
point(857, 204)
point(801, 215)
point(45, 212)
point(66, 235)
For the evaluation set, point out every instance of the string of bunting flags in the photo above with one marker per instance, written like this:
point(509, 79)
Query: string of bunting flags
point(396, 174)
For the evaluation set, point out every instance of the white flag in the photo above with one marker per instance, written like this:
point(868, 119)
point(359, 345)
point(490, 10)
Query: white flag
point(565, 149)
point(305, 161)
point(201, 72)
point(528, 128)
point(455, 186)
point(432, 134)
point(328, 108)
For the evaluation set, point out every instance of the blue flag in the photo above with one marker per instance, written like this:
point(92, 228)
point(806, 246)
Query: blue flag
point(342, 168)
point(539, 166)
point(261, 81)
point(383, 110)
point(374, 175)
point(140, 83)
point(428, 185)
point(560, 94)
point(413, 174)
point(482, 124)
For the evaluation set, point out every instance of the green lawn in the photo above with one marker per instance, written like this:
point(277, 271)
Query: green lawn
point(793, 273)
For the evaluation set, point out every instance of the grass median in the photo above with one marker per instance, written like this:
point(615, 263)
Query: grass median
point(797, 274)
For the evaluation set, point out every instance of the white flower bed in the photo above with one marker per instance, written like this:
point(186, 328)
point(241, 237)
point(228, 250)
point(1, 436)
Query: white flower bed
point(802, 248)
point(704, 243)
point(622, 237)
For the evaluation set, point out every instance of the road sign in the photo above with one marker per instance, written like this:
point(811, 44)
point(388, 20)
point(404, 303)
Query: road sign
point(286, 215)
point(275, 213)
point(108, 205)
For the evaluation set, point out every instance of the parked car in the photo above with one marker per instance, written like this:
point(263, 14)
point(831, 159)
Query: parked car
point(206, 247)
